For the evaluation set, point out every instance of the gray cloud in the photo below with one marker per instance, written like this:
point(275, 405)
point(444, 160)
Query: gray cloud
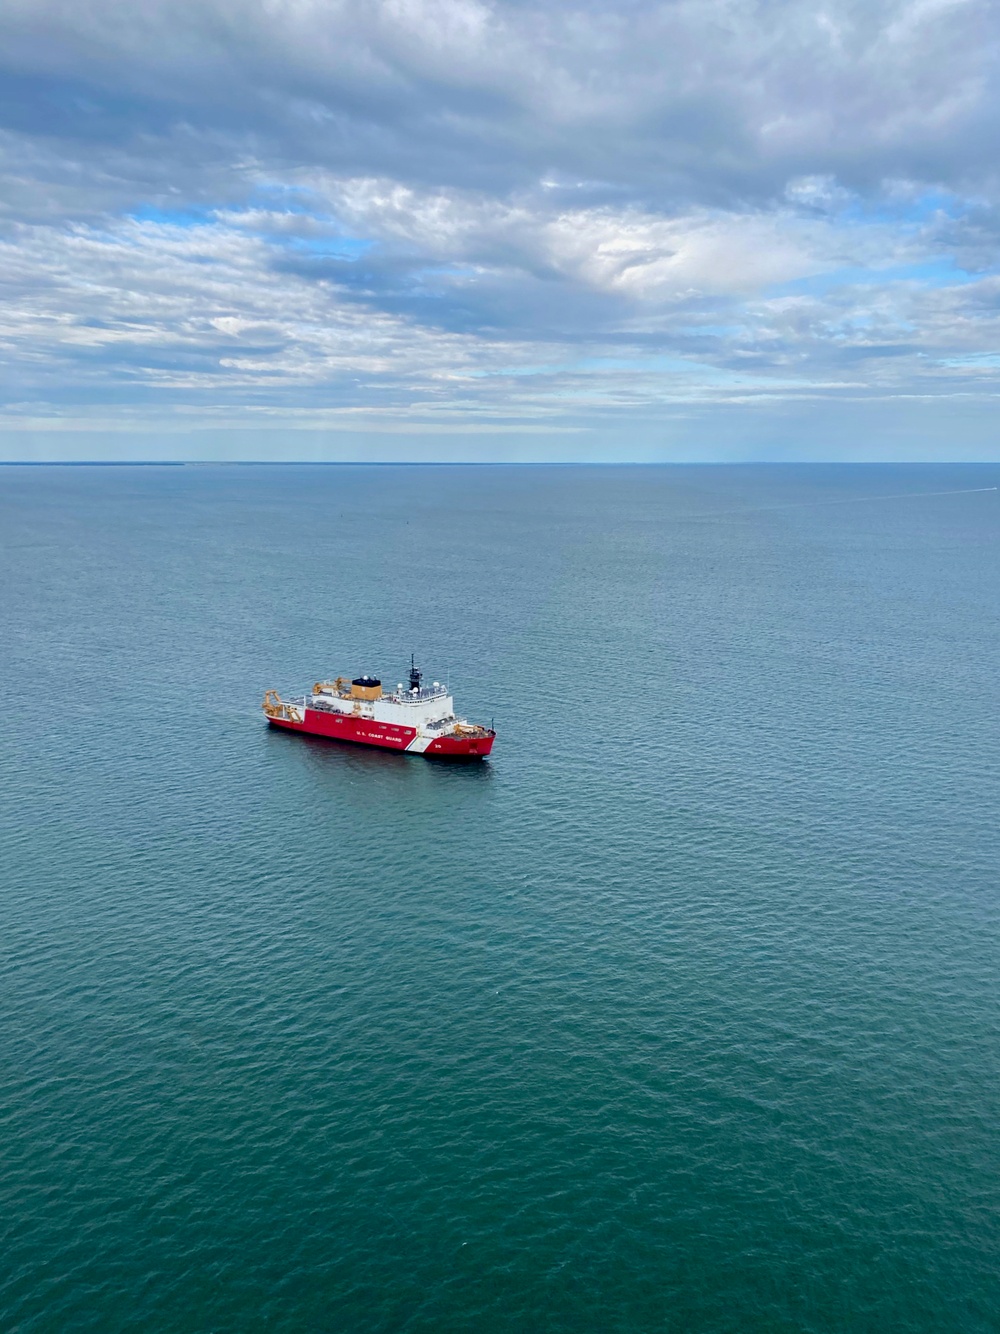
point(723, 99)
point(420, 212)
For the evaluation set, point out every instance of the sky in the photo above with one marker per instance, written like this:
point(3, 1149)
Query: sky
point(446, 229)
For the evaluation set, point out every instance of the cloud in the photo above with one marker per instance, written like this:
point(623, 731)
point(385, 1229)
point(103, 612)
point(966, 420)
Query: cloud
point(419, 211)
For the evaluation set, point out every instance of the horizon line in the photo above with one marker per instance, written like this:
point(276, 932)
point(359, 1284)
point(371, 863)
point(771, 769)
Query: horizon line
point(497, 463)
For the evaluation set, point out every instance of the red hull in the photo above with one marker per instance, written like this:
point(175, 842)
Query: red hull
point(386, 736)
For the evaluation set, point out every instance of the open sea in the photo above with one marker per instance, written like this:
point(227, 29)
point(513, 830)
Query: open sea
point(681, 1014)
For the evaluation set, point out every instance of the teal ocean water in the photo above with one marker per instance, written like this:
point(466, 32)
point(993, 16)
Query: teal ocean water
point(680, 1014)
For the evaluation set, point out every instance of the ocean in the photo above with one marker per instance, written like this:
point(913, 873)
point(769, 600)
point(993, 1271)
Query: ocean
point(681, 1013)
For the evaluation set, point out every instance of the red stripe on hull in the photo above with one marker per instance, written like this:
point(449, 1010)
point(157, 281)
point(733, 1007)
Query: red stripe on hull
point(342, 727)
point(385, 736)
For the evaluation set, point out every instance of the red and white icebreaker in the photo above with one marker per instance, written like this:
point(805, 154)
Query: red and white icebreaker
point(415, 718)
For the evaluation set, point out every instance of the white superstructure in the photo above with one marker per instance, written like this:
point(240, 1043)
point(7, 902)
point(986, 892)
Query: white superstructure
point(428, 708)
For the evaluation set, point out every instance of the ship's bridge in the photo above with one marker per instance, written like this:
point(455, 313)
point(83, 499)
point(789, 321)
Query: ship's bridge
point(415, 705)
point(417, 694)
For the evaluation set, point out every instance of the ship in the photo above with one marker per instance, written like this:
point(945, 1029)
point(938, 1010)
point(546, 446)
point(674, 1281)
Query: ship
point(417, 719)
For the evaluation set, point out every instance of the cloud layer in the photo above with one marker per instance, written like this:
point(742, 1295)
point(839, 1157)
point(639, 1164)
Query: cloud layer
point(420, 216)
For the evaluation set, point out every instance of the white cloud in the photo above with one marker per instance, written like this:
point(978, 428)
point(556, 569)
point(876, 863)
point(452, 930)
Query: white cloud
point(452, 211)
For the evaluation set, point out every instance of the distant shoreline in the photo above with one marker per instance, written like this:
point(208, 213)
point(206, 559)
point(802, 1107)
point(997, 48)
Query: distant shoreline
point(498, 463)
